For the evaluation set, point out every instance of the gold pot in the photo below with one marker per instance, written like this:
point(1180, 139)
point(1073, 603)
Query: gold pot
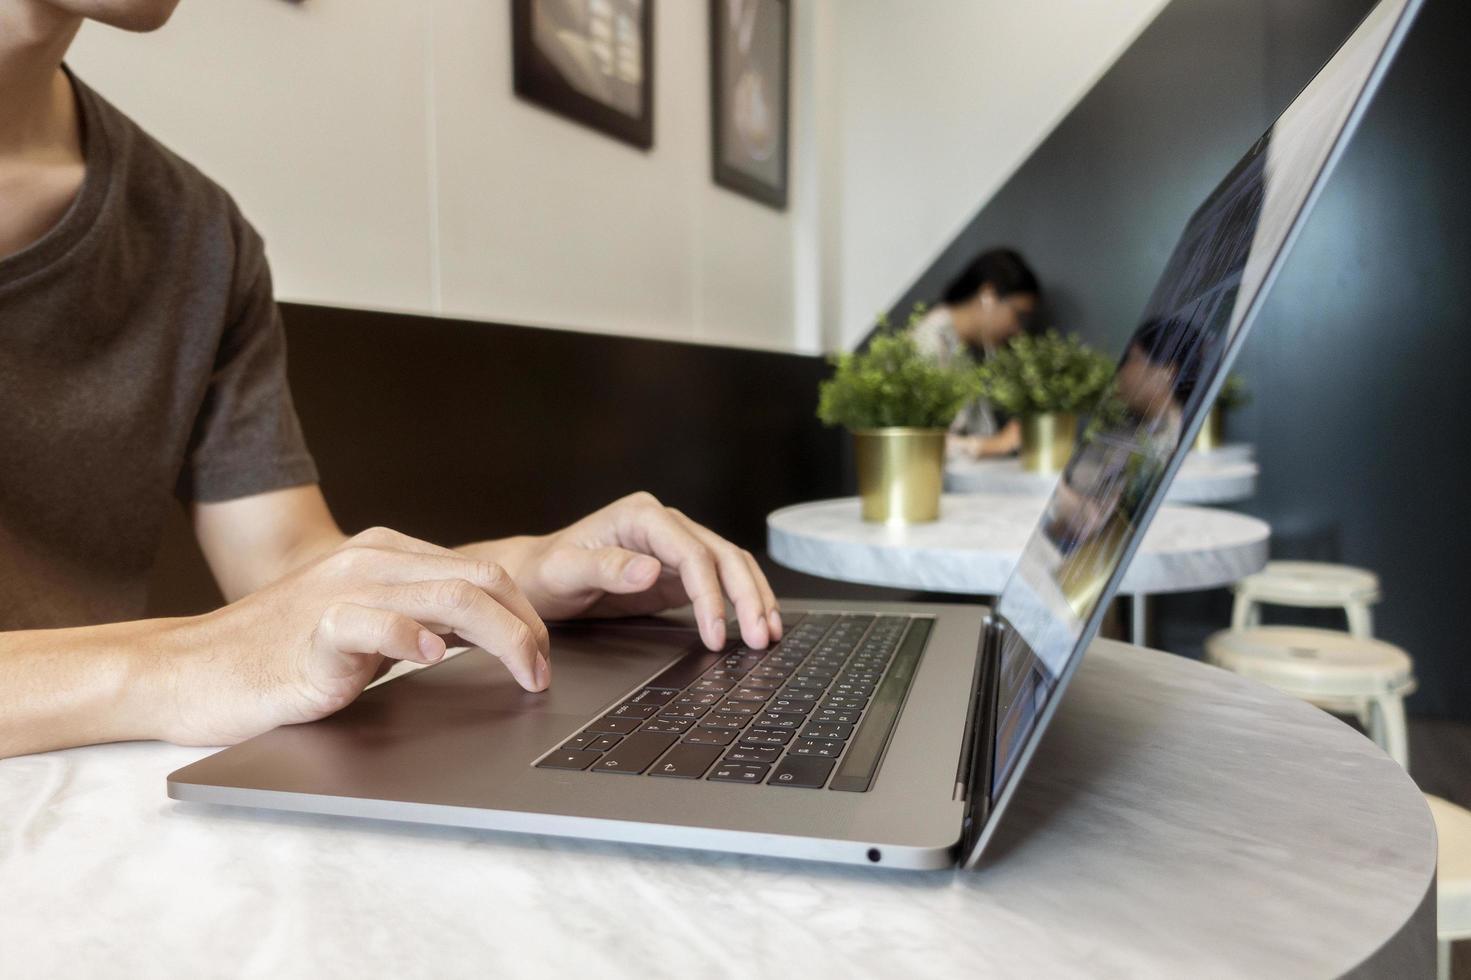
point(1210, 437)
point(900, 472)
point(1047, 441)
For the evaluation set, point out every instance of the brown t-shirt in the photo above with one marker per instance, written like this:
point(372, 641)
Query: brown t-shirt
point(142, 360)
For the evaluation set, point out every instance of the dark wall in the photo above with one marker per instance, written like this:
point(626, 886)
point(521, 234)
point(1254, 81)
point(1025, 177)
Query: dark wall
point(1360, 363)
point(456, 431)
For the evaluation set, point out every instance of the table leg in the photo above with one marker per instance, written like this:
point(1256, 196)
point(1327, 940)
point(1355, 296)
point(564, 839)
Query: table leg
point(1138, 619)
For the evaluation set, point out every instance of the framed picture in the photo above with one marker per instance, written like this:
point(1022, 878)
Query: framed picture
point(591, 61)
point(750, 78)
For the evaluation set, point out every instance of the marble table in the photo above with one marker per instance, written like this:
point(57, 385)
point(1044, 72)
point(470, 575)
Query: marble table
point(1221, 476)
point(1177, 821)
point(975, 544)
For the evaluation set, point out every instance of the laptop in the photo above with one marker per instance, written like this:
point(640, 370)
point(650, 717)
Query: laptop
point(889, 734)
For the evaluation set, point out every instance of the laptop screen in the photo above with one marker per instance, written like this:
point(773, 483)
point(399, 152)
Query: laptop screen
point(1168, 375)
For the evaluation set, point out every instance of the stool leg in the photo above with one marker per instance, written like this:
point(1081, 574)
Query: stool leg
point(1243, 610)
point(1360, 620)
point(1138, 619)
point(1388, 728)
point(1443, 960)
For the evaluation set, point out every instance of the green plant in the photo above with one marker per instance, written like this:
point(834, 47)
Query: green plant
point(893, 384)
point(1035, 375)
point(1233, 393)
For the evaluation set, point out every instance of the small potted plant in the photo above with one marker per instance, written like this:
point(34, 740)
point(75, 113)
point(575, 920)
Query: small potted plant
point(1233, 395)
point(898, 404)
point(1045, 381)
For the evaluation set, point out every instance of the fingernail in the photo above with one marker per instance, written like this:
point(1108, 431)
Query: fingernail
point(543, 672)
point(637, 570)
point(430, 646)
point(774, 618)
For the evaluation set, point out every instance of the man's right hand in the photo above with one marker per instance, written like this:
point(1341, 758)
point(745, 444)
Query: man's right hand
point(306, 646)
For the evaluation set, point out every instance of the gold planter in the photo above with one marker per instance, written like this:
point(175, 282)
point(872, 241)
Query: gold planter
point(1210, 437)
point(1047, 441)
point(900, 472)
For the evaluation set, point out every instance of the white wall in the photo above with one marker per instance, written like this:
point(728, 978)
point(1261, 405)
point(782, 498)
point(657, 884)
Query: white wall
point(941, 100)
point(378, 146)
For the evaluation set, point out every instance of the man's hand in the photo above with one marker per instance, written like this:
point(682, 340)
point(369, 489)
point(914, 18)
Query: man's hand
point(636, 557)
point(307, 645)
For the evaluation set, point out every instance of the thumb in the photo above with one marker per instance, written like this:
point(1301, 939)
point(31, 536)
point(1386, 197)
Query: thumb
point(615, 570)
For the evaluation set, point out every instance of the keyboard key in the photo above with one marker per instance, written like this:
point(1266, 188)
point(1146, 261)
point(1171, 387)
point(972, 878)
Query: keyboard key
point(749, 694)
point(852, 688)
point(836, 716)
point(719, 721)
point(634, 753)
point(686, 761)
point(766, 736)
point(668, 726)
point(806, 772)
point(564, 759)
point(653, 695)
point(759, 684)
point(709, 736)
point(614, 726)
point(818, 747)
point(845, 701)
point(712, 687)
point(820, 729)
point(746, 708)
point(603, 743)
point(630, 710)
point(677, 676)
point(685, 700)
point(582, 741)
point(785, 707)
point(739, 773)
point(687, 711)
point(753, 754)
point(788, 722)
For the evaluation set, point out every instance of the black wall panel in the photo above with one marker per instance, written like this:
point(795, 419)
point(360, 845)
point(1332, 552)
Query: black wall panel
point(1360, 365)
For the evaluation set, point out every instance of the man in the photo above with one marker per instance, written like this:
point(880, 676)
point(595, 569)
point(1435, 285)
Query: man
point(142, 360)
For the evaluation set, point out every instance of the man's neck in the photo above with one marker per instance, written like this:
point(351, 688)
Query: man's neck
point(38, 113)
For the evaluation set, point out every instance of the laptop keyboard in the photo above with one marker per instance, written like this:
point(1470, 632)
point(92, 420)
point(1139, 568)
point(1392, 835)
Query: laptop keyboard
point(814, 710)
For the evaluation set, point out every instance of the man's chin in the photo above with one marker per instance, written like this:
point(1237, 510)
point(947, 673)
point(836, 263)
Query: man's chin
point(139, 16)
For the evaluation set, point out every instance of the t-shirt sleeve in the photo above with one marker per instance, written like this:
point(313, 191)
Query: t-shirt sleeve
point(247, 438)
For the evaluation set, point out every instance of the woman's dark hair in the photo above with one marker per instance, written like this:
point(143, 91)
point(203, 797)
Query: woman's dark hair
point(1001, 268)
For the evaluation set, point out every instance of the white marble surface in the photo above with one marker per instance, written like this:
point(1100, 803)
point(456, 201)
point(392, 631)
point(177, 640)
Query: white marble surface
point(1178, 821)
point(975, 544)
point(1217, 477)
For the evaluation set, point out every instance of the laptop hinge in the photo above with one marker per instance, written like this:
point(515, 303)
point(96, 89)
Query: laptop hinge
point(982, 681)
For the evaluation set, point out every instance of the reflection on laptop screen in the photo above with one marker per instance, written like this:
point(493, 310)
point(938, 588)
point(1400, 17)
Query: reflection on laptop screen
point(1192, 324)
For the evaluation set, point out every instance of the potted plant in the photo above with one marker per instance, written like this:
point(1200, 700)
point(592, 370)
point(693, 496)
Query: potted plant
point(1233, 395)
point(1045, 381)
point(898, 404)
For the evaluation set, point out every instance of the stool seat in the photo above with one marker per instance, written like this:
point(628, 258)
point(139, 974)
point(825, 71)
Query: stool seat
point(1453, 869)
point(1313, 663)
point(1310, 583)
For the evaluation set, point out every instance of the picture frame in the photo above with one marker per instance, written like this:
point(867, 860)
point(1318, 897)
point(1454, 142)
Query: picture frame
point(590, 62)
point(750, 97)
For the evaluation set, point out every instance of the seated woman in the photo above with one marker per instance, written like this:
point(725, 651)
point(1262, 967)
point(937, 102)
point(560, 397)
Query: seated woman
point(990, 302)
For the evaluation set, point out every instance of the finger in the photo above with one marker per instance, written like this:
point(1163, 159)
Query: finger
point(467, 609)
point(768, 597)
point(614, 570)
point(739, 575)
point(656, 532)
point(356, 630)
point(398, 567)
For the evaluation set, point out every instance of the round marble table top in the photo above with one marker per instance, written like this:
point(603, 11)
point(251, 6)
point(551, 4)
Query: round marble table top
point(1177, 821)
point(1218, 477)
point(975, 544)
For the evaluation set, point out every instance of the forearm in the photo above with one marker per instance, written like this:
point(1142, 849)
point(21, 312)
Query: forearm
point(65, 687)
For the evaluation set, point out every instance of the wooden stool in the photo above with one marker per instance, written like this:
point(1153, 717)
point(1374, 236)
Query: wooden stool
point(1335, 671)
point(1308, 584)
point(1453, 879)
